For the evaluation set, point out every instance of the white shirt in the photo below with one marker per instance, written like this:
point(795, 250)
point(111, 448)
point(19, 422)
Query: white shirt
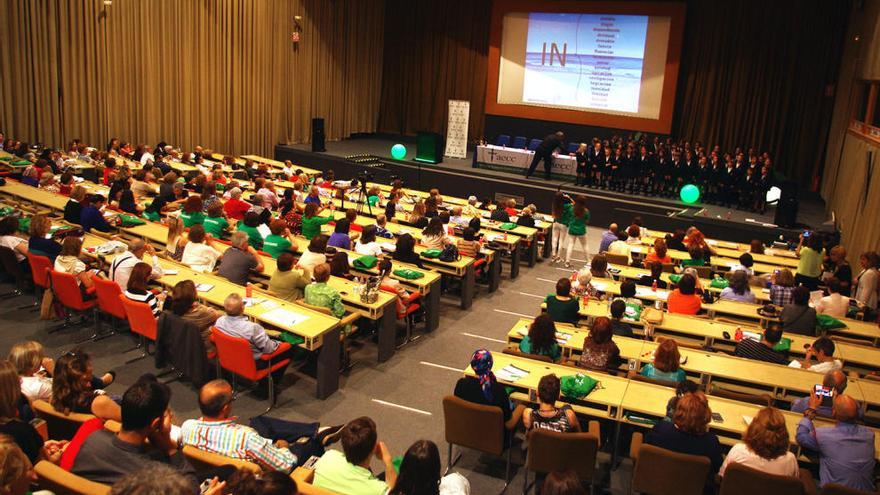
point(309, 260)
point(784, 465)
point(12, 242)
point(369, 249)
point(36, 387)
point(120, 268)
point(866, 289)
point(833, 305)
point(200, 256)
point(825, 367)
point(147, 156)
point(620, 247)
point(454, 484)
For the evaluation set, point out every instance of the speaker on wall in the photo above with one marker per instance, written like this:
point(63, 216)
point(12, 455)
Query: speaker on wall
point(318, 134)
point(429, 147)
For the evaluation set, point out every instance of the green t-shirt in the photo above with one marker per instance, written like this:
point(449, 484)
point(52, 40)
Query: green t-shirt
point(190, 219)
point(153, 216)
point(567, 214)
point(215, 226)
point(810, 264)
point(333, 472)
point(312, 226)
point(563, 311)
point(578, 226)
point(275, 245)
point(255, 239)
point(553, 352)
point(693, 262)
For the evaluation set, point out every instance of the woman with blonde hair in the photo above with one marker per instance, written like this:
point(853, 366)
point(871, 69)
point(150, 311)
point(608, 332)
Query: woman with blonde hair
point(765, 446)
point(177, 238)
point(13, 425)
point(37, 242)
point(16, 471)
point(72, 389)
point(36, 370)
point(688, 433)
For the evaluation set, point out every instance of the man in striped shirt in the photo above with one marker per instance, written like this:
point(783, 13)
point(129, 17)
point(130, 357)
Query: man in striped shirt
point(216, 431)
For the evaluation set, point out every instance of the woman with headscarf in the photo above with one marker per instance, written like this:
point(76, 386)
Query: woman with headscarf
point(484, 388)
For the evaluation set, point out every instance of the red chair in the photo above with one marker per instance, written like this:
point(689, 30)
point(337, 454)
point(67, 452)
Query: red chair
point(142, 322)
point(108, 293)
point(406, 311)
point(40, 266)
point(68, 294)
point(235, 356)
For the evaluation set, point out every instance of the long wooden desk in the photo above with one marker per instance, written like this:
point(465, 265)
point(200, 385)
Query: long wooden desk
point(633, 273)
point(383, 311)
point(320, 331)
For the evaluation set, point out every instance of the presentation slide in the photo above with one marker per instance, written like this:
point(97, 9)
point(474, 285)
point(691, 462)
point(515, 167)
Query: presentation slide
point(610, 64)
point(591, 61)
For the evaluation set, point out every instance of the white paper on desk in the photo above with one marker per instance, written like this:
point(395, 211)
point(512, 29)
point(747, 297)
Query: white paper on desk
point(283, 317)
point(795, 364)
point(170, 271)
point(264, 231)
point(511, 373)
point(204, 287)
point(269, 304)
point(647, 292)
point(600, 286)
point(747, 419)
point(253, 301)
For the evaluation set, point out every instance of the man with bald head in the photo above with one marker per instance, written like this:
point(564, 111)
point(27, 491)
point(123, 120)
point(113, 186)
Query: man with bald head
point(846, 450)
point(608, 237)
point(216, 431)
point(121, 266)
point(835, 380)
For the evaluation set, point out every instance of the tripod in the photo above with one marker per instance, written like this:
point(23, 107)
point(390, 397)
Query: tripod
point(362, 198)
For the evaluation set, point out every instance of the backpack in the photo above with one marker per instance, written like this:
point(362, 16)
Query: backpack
point(449, 254)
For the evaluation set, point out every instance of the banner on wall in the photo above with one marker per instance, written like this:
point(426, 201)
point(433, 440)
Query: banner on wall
point(457, 128)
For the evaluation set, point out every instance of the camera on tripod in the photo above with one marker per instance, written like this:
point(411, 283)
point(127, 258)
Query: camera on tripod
point(365, 176)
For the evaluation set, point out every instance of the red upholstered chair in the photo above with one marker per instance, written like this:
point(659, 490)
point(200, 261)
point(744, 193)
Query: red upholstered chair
point(40, 266)
point(108, 293)
point(142, 322)
point(406, 310)
point(234, 355)
point(67, 293)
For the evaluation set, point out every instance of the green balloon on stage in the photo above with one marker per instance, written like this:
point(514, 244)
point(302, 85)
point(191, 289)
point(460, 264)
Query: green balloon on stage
point(690, 194)
point(398, 151)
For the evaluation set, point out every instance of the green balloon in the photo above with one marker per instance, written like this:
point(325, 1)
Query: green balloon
point(398, 151)
point(690, 194)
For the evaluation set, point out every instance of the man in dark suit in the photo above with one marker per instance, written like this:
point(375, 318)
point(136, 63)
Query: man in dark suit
point(545, 152)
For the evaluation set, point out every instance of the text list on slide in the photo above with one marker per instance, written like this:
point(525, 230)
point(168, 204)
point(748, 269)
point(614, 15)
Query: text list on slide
point(585, 60)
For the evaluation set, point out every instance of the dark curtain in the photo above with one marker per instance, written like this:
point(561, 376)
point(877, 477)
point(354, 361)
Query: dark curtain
point(755, 72)
point(435, 50)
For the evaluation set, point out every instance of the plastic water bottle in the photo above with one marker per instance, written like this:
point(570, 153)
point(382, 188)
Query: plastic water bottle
point(654, 286)
point(248, 290)
point(738, 335)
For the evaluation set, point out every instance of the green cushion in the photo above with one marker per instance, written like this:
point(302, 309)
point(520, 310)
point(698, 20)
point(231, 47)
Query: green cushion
point(577, 386)
point(826, 322)
point(408, 274)
point(365, 262)
point(431, 253)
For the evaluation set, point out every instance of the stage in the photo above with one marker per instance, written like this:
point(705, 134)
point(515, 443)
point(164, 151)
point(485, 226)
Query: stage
point(458, 177)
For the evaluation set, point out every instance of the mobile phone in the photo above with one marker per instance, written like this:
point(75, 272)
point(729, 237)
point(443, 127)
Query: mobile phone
point(807, 234)
point(716, 417)
point(826, 393)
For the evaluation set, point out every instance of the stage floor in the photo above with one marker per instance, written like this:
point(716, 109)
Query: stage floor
point(811, 211)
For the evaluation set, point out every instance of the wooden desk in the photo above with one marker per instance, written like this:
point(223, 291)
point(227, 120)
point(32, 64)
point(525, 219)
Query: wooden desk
point(633, 273)
point(34, 195)
point(383, 311)
point(604, 400)
point(320, 331)
point(277, 164)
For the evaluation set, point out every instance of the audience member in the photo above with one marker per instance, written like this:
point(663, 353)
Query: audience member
point(840, 269)
point(810, 252)
point(74, 206)
point(484, 388)
point(12, 425)
point(782, 287)
point(562, 307)
point(765, 446)
point(367, 244)
point(420, 473)
point(834, 304)
point(318, 293)
point(846, 450)
point(105, 457)
point(92, 216)
point(684, 299)
point(68, 261)
point(122, 265)
point(739, 290)
point(239, 259)
point(835, 380)
point(218, 432)
point(250, 225)
point(39, 243)
point(763, 350)
point(823, 351)
point(350, 472)
point(235, 324)
point(340, 237)
point(599, 266)
point(73, 388)
point(655, 276)
point(563, 483)
point(137, 288)
point(177, 238)
point(617, 308)
point(608, 237)
point(184, 303)
point(688, 433)
point(405, 251)
point(600, 353)
point(666, 365)
point(547, 416)
point(797, 316)
point(286, 282)
point(200, 253)
point(541, 339)
point(867, 282)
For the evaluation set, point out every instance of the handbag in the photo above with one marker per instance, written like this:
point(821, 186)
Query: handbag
point(652, 316)
point(577, 386)
point(365, 262)
point(408, 274)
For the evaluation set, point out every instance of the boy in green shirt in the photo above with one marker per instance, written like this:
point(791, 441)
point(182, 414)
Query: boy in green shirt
point(350, 473)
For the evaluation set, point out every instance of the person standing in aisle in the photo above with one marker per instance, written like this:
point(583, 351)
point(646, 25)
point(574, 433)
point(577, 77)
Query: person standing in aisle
point(562, 209)
point(577, 229)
